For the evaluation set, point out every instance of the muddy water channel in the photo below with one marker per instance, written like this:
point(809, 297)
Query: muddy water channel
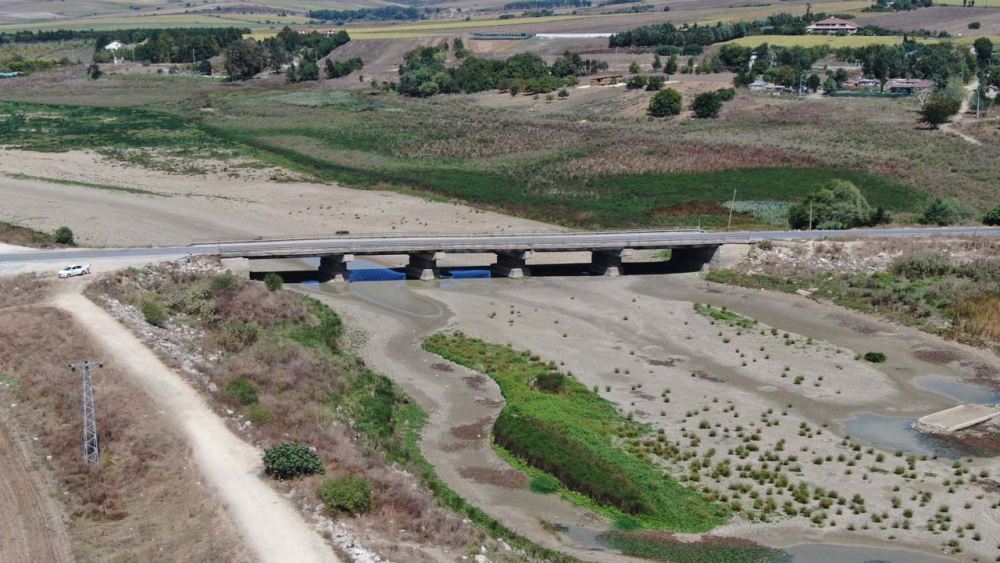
point(645, 326)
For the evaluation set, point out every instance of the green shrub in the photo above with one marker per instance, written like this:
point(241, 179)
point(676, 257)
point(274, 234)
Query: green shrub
point(273, 281)
point(289, 460)
point(921, 264)
point(153, 313)
point(64, 235)
point(992, 217)
point(242, 390)
point(665, 102)
point(543, 484)
point(223, 282)
point(551, 382)
point(948, 211)
point(707, 105)
point(839, 204)
point(348, 494)
point(258, 414)
point(876, 357)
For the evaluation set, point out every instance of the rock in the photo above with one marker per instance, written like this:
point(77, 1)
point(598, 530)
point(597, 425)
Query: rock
point(804, 292)
point(482, 559)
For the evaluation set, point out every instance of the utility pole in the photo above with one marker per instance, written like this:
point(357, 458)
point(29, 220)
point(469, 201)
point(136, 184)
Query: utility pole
point(91, 451)
point(731, 207)
point(810, 215)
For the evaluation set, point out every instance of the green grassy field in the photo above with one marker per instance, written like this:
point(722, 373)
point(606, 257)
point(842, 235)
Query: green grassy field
point(574, 434)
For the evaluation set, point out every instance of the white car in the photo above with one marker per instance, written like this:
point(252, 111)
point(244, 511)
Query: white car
point(70, 271)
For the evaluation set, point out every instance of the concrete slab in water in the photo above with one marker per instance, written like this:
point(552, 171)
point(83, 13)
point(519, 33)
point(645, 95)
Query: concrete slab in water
point(957, 418)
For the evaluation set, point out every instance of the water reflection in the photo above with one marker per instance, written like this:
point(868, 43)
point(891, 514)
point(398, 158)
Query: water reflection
point(961, 392)
point(824, 553)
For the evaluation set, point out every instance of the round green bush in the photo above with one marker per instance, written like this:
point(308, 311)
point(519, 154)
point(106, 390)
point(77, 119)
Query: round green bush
point(289, 460)
point(348, 494)
point(258, 414)
point(992, 217)
point(551, 382)
point(64, 235)
point(273, 281)
point(242, 390)
point(153, 313)
point(876, 357)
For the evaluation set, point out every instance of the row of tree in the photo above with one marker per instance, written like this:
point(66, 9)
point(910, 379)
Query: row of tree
point(542, 4)
point(368, 14)
point(248, 58)
point(707, 105)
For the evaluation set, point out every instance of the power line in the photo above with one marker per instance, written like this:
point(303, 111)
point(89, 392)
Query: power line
point(91, 450)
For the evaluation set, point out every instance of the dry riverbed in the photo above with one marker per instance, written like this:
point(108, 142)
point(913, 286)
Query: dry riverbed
point(763, 399)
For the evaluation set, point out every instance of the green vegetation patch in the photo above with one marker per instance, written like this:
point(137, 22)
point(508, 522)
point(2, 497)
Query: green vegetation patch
point(724, 315)
point(573, 436)
point(664, 547)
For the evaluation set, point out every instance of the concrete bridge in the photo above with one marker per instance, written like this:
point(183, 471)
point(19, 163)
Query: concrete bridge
point(692, 248)
point(512, 251)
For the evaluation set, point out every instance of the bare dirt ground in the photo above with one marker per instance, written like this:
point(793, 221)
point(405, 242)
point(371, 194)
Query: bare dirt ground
point(953, 19)
point(32, 526)
point(211, 206)
point(272, 528)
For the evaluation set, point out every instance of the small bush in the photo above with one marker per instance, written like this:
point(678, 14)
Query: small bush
point(921, 264)
point(876, 357)
point(64, 235)
point(544, 484)
point(153, 313)
point(258, 414)
point(948, 211)
point(273, 281)
point(348, 494)
point(551, 382)
point(289, 460)
point(243, 391)
point(992, 217)
point(236, 335)
point(223, 282)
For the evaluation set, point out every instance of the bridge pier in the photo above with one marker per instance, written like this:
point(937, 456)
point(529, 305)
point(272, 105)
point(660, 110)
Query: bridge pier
point(694, 258)
point(511, 264)
point(423, 265)
point(608, 262)
point(333, 268)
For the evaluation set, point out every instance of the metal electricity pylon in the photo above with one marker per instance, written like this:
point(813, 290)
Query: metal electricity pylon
point(91, 451)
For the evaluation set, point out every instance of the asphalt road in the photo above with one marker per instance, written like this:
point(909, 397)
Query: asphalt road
point(476, 243)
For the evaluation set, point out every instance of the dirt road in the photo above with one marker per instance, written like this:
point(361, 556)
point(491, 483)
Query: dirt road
point(31, 528)
point(272, 529)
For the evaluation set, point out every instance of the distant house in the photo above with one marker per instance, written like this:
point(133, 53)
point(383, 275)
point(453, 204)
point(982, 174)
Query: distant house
point(832, 26)
point(909, 86)
point(759, 85)
point(114, 46)
point(863, 84)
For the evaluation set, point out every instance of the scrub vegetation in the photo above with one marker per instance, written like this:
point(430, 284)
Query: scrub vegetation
point(577, 436)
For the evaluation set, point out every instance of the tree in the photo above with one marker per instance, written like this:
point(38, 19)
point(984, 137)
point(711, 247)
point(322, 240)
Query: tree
point(671, 67)
point(829, 85)
point(636, 82)
point(838, 204)
point(64, 235)
point(308, 71)
point(947, 211)
point(564, 93)
point(634, 68)
point(707, 105)
point(657, 64)
point(243, 60)
point(515, 89)
point(813, 82)
point(654, 84)
point(992, 217)
point(938, 111)
point(94, 71)
point(289, 460)
point(984, 51)
point(665, 102)
point(205, 68)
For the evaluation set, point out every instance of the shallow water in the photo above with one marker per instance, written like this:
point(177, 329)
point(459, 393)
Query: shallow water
point(824, 553)
point(892, 433)
point(961, 392)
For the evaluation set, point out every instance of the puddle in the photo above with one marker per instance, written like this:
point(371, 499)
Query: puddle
point(961, 392)
point(893, 433)
point(824, 553)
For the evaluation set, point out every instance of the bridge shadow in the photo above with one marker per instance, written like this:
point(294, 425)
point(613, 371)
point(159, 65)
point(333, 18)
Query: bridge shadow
point(376, 274)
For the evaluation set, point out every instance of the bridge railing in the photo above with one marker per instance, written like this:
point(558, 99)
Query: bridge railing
point(398, 235)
